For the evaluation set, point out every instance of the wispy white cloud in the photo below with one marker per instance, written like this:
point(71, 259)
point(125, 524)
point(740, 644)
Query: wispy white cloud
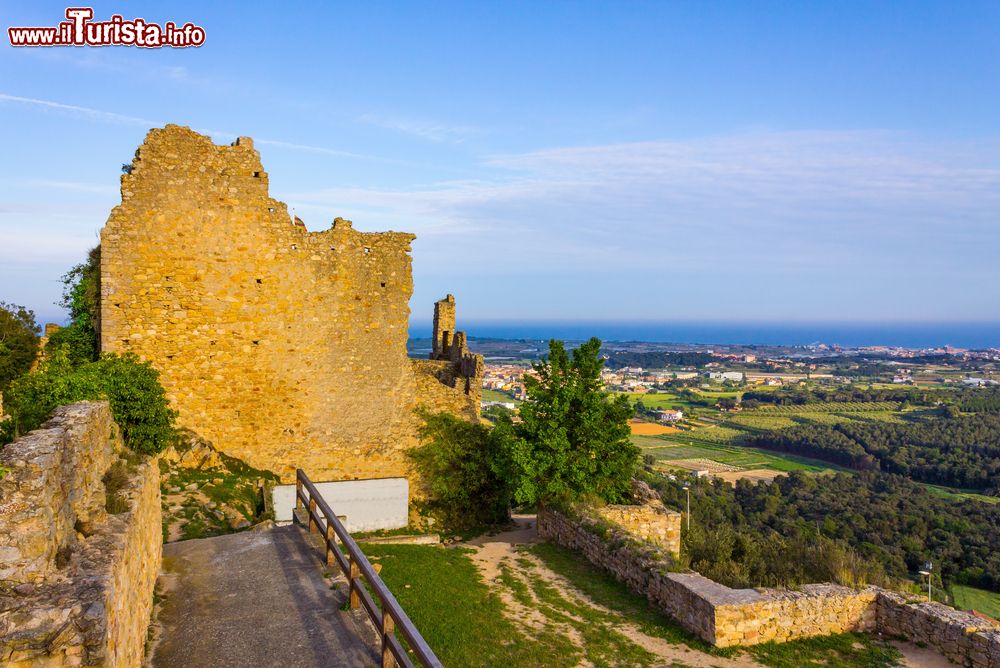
point(72, 186)
point(775, 198)
point(124, 119)
point(92, 114)
point(430, 130)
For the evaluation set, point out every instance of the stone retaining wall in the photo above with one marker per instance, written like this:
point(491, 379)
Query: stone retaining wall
point(77, 582)
point(727, 617)
point(960, 636)
point(720, 615)
point(650, 521)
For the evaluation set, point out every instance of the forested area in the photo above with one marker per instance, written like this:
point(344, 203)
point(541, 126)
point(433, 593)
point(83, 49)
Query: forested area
point(798, 397)
point(657, 360)
point(957, 452)
point(843, 527)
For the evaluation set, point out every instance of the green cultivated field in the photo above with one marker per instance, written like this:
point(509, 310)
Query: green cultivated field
point(970, 598)
point(685, 446)
point(493, 395)
point(832, 407)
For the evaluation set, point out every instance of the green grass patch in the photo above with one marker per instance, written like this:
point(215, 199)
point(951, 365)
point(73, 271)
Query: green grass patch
point(970, 598)
point(958, 494)
point(494, 395)
point(845, 650)
point(457, 614)
point(604, 590)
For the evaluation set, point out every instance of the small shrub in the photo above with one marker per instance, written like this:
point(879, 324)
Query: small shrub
point(131, 386)
point(459, 471)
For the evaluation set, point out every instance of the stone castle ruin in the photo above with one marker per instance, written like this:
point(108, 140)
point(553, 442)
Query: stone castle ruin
point(285, 348)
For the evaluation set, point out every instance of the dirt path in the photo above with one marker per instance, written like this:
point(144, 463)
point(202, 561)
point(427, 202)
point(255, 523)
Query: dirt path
point(517, 577)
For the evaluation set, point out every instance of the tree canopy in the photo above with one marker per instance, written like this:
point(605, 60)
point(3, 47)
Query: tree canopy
point(572, 439)
point(18, 342)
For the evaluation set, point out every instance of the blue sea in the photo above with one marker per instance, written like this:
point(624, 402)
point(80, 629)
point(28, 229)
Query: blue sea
point(975, 335)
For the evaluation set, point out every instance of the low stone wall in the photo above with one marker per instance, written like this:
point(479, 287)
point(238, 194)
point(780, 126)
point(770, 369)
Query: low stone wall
point(727, 617)
point(649, 521)
point(960, 636)
point(77, 582)
point(720, 615)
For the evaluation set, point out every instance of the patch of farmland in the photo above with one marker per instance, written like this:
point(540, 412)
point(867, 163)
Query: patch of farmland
point(640, 428)
point(762, 422)
point(831, 407)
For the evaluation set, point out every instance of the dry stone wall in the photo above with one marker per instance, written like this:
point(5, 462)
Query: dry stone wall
point(963, 638)
point(77, 582)
point(283, 347)
point(728, 617)
point(651, 522)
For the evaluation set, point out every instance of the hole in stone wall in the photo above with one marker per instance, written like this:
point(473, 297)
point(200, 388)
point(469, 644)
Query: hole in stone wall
point(294, 247)
point(260, 281)
point(270, 209)
point(367, 250)
point(256, 343)
point(256, 175)
point(333, 248)
point(383, 284)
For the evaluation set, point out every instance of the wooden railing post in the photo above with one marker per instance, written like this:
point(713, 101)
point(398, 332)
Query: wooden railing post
point(353, 583)
point(388, 627)
point(331, 543)
point(366, 588)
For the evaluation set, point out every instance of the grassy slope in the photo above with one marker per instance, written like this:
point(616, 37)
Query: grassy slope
point(462, 620)
point(970, 598)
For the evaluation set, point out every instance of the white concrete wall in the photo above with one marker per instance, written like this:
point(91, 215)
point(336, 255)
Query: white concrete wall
point(368, 504)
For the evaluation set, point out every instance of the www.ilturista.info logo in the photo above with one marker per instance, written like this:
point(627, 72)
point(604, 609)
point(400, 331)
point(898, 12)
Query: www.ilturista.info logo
point(80, 30)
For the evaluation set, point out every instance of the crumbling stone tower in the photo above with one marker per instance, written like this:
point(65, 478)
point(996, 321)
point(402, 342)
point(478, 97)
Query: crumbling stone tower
point(285, 348)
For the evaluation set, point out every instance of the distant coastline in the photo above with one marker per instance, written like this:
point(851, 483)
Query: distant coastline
point(972, 335)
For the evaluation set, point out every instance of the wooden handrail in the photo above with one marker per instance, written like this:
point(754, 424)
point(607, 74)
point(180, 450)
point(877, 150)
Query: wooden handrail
point(355, 566)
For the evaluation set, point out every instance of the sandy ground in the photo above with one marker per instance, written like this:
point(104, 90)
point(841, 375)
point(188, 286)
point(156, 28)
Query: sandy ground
point(492, 552)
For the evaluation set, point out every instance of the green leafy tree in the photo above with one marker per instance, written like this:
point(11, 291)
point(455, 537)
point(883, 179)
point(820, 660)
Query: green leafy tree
point(460, 473)
point(18, 342)
point(131, 386)
point(573, 438)
point(82, 298)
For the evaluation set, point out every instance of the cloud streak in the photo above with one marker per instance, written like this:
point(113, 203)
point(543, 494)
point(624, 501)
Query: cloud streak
point(786, 198)
point(429, 130)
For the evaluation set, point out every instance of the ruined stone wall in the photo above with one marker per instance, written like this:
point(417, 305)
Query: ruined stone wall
point(77, 583)
point(651, 522)
point(718, 614)
point(283, 347)
point(963, 638)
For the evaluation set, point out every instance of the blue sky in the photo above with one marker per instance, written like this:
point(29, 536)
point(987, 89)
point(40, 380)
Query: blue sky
point(691, 161)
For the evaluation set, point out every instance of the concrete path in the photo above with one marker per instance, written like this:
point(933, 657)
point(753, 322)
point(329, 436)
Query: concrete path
point(256, 598)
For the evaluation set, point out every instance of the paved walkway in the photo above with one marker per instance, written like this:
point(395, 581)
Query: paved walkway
point(256, 598)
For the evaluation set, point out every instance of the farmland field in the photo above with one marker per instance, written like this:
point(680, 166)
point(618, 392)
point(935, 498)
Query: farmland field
point(970, 598)
point(493, 395)
point(650, 428)
point(832, 407)
point(683, 447)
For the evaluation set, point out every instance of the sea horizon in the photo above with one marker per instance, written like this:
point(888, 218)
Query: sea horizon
point(916, 335)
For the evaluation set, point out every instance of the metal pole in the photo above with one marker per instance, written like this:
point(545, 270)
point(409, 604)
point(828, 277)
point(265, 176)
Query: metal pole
point(688, 490)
